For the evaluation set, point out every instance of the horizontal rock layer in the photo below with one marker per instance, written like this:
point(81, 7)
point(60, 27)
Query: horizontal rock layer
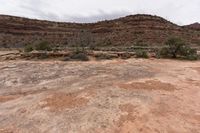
point(126, 31)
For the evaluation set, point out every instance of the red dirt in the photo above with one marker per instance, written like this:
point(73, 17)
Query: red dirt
point(197, 69)
point(61, 101)
point(8, 98)
point(115, 96)
point(148, 85)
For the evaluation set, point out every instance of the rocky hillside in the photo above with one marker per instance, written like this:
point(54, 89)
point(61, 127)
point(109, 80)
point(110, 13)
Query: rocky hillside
point(194, 26)
point(126, 31)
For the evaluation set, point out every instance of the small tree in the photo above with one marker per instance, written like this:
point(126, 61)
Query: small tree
point(175, 47)
point(43, 46)
point(141, 54)
point(28, 48)
point(83, 40)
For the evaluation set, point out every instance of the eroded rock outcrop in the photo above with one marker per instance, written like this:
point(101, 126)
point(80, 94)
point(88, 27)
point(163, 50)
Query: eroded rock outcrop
point(17, 31)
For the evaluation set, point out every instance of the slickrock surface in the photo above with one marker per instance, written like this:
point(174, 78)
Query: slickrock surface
point(118, 96)
point(126, 31)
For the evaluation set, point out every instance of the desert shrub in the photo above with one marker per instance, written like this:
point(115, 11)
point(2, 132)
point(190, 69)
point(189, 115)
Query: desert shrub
point(78, 50)
point(79, 57)
point(104, 56)
point(191, 57)
point(43, 46)
point(177, 48)
point(28, 48)
point(82, 41)
point(141, 54)
point(189, 53)
point(162, 53)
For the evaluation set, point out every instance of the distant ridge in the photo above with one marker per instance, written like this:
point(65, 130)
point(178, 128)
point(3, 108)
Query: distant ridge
point(124, 31)
point(195, 26)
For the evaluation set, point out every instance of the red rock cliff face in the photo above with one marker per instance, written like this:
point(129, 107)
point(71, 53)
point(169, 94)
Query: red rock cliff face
point(17, 32)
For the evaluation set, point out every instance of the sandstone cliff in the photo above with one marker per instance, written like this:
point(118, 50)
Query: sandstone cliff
point(126, 31)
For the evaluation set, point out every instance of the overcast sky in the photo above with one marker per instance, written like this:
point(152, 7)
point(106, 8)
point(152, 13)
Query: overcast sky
point(178, 11)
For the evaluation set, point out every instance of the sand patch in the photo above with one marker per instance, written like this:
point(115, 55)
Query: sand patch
point(8, 98)
point(8, 129)
point(129, 110)
point(61, 101)
point(194, 82)
point(148, 85)
point(191, 117)
point(161, 109)
point(17, 94)
point(126, 120)
point(197, 69)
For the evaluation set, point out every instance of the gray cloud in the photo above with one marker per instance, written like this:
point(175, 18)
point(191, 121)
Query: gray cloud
point(38, 13)
point(179, 11)
point(94, 18)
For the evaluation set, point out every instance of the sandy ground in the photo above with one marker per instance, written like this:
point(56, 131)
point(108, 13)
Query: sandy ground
point(118, 96)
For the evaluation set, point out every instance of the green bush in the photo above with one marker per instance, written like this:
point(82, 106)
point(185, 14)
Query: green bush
point(162, 53)
point(78, 50)
point(45, 46)
point(189, 53)
point(28, 48)
point(177, 48)
point(141, 54)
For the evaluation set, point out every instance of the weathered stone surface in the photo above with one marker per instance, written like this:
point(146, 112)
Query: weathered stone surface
point(113, 96)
